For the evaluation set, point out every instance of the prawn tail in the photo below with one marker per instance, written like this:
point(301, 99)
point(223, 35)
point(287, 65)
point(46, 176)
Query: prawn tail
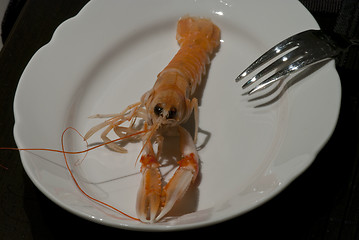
point(198, 38)
point(199, 30)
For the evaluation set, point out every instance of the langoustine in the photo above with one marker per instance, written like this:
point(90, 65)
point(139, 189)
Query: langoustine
point(163, 109)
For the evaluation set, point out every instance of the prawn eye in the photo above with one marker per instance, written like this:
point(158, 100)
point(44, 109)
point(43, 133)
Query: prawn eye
point(158, 110)
point(172, 113)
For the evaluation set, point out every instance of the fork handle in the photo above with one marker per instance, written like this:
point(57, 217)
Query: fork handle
point(342, 42)
point(347, 57)
point(347, 24)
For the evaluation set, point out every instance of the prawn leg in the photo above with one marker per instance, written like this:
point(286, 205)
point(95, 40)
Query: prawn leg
point(117, 117)
point(193, 106)
point(185, 174)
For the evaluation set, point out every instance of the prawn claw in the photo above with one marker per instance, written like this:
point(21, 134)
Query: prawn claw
point(149, 193)
point(179, 184)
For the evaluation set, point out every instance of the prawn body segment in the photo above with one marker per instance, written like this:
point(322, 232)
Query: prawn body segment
point(163, 109)
point(177, 82)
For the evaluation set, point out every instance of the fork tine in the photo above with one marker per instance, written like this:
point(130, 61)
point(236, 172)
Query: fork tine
point(270, 54)
point(295, 66)
point(293, 55)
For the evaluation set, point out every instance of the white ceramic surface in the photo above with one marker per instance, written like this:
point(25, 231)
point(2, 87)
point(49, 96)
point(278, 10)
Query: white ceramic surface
point(110, 53)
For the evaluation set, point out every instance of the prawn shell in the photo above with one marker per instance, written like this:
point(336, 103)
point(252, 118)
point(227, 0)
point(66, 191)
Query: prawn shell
point(197, 37)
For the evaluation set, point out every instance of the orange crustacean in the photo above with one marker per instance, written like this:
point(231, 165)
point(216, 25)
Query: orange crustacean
point(164, 108)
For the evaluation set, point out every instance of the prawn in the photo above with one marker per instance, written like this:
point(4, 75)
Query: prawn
point(163, 109)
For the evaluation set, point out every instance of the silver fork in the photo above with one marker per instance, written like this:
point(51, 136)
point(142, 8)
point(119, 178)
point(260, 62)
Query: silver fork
point(303, 49)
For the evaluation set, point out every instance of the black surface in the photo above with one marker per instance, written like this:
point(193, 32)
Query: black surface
point(322, 203)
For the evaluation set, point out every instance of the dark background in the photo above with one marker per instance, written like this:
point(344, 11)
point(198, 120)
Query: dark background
point(322, 203)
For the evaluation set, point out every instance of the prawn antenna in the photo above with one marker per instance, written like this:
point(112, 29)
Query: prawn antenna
point(148, 139)
point(64, 152)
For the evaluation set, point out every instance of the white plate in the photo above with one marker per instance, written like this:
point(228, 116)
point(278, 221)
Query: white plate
point(110, 53)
